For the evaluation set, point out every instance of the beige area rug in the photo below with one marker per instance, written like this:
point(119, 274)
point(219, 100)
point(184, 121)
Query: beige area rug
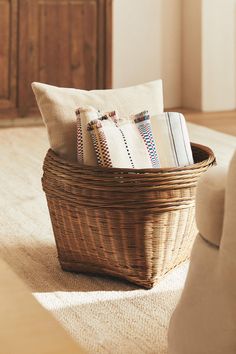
point(104, 315)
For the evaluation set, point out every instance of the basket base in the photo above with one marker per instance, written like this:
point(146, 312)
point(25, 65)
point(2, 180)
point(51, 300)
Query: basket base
point(77, 267)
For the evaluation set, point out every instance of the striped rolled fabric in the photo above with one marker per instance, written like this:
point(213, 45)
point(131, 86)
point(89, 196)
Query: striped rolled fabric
point(143, 123)
point(85, 151)
point(124, 143)
point(171, 136)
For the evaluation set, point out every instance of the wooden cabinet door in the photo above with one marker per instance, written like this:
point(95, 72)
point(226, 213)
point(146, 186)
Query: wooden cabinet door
point(8, 54)
point(58, 45)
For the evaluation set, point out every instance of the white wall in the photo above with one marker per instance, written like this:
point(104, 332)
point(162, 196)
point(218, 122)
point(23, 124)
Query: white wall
point(191, 53)
point(190, 44)
point(147, 45)
point(209, 54)
point(218, 55)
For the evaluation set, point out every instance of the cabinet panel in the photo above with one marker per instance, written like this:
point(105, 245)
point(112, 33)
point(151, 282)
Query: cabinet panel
point(8, 60)
point(71, 47)
point(58, 45)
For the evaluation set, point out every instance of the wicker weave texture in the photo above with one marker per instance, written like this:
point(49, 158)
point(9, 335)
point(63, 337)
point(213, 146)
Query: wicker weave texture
point(132, 224)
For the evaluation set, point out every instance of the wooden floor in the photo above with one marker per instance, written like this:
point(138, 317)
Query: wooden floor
point(224, 122)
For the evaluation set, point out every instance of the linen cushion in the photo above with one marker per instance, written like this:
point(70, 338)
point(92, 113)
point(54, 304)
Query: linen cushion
point(124, 143)
point(204, 319)
point(57, 106)
point(172, 139)
point(210, 204)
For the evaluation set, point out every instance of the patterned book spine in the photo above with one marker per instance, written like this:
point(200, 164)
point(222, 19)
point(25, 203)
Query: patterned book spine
point(144, 126)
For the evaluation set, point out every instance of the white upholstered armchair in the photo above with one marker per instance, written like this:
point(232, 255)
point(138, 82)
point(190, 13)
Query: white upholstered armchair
point(204, 321)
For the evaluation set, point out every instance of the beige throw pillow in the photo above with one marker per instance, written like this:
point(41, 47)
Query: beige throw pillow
point(57, 106)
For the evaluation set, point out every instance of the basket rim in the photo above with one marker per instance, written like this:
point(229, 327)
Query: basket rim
point(210, 160)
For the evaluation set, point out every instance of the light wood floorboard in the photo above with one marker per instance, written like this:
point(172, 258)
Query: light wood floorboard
point(224, 122)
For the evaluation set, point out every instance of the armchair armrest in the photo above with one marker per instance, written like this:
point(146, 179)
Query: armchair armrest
point(210, 204)
point(25, 326)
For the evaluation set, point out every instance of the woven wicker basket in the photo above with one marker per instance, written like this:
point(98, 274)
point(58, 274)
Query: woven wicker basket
point(132, 224)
